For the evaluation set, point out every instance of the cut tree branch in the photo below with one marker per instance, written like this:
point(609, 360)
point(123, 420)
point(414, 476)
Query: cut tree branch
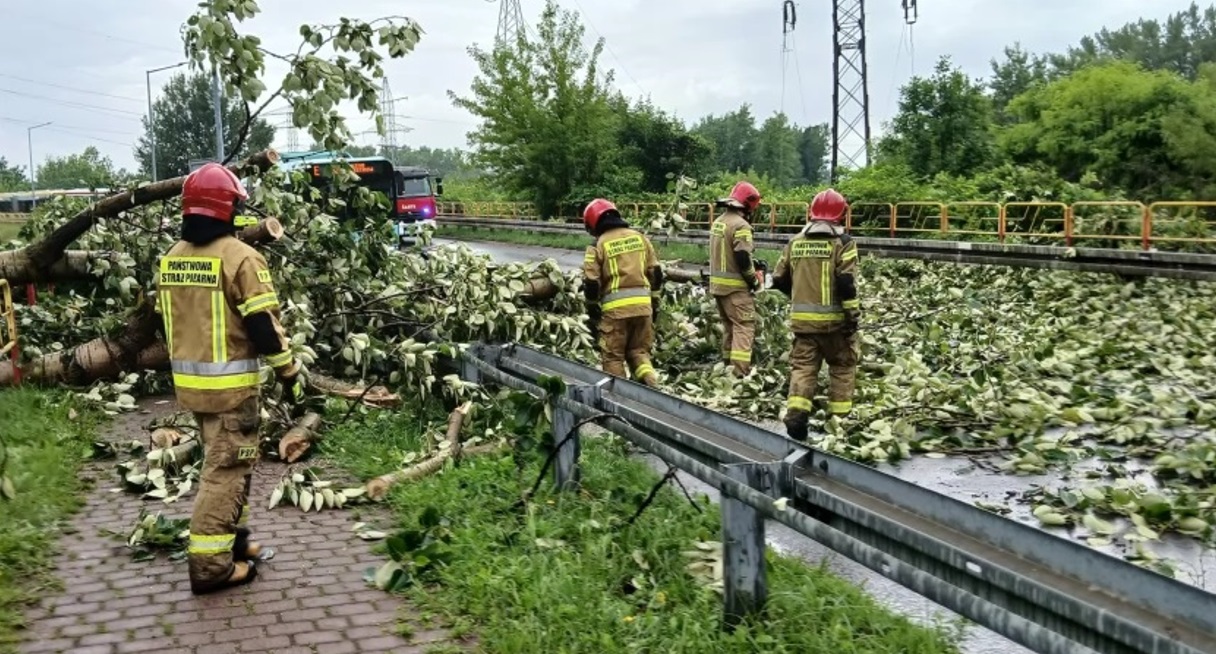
point(378, 488)
point(300, 438)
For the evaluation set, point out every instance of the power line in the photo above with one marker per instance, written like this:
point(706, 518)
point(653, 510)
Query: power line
point(76, 28)
point(76, 127)
point(73, 89)
point(87, 136)
point(69, 103)
point(608, 47)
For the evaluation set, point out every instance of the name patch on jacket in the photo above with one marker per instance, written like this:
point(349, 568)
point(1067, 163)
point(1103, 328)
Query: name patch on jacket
point(718, 229)
point(807, 249)
point(190, 271)
point(617, 247)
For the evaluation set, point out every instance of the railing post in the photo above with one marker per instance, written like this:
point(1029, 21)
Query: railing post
point(745, 582)
point(567, 475)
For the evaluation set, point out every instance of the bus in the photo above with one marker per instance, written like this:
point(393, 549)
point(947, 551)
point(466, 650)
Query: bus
point(409, 190)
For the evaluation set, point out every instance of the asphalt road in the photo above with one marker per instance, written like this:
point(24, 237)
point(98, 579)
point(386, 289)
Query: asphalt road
point(960, 478)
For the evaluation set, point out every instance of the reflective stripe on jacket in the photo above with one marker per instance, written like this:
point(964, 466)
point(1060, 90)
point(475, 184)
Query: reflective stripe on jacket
point(813, 260)
point(622, 262)
point(204, 292)
point(729, 233)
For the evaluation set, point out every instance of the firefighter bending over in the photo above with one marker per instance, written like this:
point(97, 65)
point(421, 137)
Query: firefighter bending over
point(735, 275)
point(622, 281)
point(220, 313)
point(818, 270)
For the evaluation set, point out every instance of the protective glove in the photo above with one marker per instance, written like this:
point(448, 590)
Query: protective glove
point(293, 388)
point(654, 310)
point(593, 326)
point(852, 322)
point(761, 270)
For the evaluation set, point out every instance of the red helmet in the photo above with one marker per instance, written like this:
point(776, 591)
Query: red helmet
point(213, 191)
point(745, 196)
point(595, 211)
point(828, 205)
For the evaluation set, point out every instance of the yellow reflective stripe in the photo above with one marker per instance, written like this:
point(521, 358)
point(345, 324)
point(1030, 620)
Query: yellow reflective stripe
point(851, 304)
point(743, 235)
point(219, 383)
point(817, 317)
point(258, 303)
point(643, 370)
point(614, 275)
point(279, 360)
point(167, 313)
point(825, 283)
point(727, 279)
point(799, 403)
point(849, 254)
point(218, 544)
point(740, 355)
point(244, 517)
point(244, 221)
point(626, 302)
point(589, 257)
point(840, 408)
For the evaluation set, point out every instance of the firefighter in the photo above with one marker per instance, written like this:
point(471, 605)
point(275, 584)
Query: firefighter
point(220, 313)
point(622, 281)
point(735, 276)
point(818, 270)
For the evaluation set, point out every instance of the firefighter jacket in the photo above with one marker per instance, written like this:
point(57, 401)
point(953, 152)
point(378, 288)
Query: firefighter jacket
point(730, 246)
point(622, 271)
point(205, 294)
point(818, 270)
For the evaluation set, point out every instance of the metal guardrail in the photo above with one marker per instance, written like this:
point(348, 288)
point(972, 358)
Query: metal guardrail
point(1041, 591)
point(1179, 265)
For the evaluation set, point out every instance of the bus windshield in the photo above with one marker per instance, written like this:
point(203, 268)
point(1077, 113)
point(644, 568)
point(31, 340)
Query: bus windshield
point(414, 187)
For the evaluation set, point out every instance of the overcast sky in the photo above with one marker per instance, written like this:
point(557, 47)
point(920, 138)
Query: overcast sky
point(83, 68)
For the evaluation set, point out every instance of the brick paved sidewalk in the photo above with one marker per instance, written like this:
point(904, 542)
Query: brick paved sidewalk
point(310, 598)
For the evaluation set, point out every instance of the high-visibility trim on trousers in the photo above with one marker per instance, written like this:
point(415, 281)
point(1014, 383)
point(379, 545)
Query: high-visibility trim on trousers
point(201, 544)
point(800, 403)
point(643, 370)
point(740, 355)
point(840, 408)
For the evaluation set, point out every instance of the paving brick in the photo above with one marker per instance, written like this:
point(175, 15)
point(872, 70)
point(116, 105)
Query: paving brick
point(310, 600)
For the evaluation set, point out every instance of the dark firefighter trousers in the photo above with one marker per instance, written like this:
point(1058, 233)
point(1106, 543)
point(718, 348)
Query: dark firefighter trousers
point(221, 510)
point(809, 353)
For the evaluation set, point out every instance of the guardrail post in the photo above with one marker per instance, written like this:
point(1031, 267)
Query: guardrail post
point(743, 576)
point(566, 473)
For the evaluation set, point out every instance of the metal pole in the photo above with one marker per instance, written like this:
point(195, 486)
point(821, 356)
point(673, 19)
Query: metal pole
point(29, 134)
point(219, 115)
point(151, 122)
point(152, 114)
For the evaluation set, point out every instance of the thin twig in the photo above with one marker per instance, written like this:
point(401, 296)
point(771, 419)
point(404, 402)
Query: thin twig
point(354, 405)
point(654, 491)
point(544, 469)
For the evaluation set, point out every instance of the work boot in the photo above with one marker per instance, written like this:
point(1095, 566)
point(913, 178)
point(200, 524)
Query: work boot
point(245, 549)
point(797, 428)
point(243, 572)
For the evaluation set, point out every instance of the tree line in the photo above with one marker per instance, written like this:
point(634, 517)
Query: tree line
point(1127, 112)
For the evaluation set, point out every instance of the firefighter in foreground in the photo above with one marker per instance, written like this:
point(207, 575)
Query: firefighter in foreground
point(622, 281)
point(735, 276)
point(818, 270)
point(220, 314)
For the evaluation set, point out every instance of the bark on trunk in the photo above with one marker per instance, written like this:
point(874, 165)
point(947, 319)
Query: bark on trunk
point(266, 231)
point(684, 275)
point(46, 252)
point(378, 488)
point(300, 438)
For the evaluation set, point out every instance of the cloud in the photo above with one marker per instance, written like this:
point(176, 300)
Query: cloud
point(692, 57)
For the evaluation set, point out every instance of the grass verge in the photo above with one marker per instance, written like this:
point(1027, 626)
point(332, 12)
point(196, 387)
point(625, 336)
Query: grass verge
point(46, 444)
point(568, 575)
point(691, 254)
point(8, 231)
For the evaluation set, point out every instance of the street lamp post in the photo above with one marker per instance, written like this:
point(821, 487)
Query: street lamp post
point(29, 134)
point(151, 116)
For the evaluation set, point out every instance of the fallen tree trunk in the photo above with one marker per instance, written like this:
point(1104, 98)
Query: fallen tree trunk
point(35, 261)
point(376, 396)
point(300, 438)
point(268, 230)
point(379, 487)
point(684, 275)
